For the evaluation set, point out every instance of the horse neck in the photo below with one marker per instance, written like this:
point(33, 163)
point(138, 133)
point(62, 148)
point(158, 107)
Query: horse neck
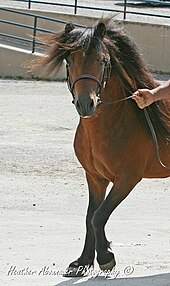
point(114, 90)
point(111, 115)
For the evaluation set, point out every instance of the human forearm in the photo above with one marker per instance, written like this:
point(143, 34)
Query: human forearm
point(145, 97)
point(162, 91)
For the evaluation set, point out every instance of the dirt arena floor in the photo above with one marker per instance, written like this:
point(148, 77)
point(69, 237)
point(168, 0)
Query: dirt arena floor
point(43, 199)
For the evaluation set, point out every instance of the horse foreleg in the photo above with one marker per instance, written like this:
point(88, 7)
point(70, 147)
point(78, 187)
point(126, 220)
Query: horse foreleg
point(97, 190)
point(117, 194)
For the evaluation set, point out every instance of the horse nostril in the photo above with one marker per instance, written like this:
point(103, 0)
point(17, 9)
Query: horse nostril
point(92, 103)
point(85, 106)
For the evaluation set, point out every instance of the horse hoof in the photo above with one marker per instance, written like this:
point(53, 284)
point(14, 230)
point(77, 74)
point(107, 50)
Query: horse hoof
point(108, 266)
point(76, 271)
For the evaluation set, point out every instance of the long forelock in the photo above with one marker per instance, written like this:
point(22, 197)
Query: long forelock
point(125, 59)
point(83, 39)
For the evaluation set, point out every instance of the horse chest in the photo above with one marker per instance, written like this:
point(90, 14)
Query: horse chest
point(95, 153)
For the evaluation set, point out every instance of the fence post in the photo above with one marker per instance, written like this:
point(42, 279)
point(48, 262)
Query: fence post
point(125, 5)
point(34, 34)
point(75, 7)
point(29, 4)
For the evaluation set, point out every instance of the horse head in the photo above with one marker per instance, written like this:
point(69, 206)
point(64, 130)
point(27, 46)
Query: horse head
point(88, 68)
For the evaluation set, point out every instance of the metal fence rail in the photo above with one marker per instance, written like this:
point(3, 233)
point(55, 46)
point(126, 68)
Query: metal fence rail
point(124, 11)
point(34, 27)
point(30, 2)
point(35, 17)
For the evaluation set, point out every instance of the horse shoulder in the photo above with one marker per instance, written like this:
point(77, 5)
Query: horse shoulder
point(82, 147)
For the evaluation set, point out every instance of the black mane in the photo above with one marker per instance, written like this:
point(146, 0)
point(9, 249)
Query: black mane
point(125, 58)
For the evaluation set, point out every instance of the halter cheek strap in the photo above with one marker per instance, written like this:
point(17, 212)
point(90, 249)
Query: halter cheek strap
point(101, 84)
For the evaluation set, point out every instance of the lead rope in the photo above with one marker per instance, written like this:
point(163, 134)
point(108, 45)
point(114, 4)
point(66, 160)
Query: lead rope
point(102, 86)
point(155, 139)
point(116, 101)
point(150, 124)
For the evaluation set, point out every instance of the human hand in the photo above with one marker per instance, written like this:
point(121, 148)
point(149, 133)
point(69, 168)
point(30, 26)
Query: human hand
point(143, 97)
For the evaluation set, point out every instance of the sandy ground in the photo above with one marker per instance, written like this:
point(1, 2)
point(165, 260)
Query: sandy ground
point(43, 199)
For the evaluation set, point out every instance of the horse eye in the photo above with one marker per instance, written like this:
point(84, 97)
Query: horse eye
point(67, 61)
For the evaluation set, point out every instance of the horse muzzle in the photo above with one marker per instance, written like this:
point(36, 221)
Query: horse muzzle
point(86, 105)
point(85, 108)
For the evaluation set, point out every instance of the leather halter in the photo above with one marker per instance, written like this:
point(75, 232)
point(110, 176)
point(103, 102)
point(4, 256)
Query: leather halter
point(101, 84)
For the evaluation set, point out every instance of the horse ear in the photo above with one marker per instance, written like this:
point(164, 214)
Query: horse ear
point(101, 29)
point(69, 27)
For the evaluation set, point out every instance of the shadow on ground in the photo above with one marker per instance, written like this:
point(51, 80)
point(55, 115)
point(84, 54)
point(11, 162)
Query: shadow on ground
point(153, 280)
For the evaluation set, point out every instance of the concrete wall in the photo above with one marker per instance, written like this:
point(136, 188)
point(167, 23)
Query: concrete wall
point(154, 43)
point(14, 62)
point(152, 40)
point(41, 23)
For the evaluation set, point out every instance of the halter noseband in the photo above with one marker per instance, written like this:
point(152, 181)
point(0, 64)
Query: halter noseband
point(101, 84)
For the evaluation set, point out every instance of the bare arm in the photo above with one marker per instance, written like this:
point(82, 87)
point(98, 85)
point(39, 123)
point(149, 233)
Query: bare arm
point(145, 97)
